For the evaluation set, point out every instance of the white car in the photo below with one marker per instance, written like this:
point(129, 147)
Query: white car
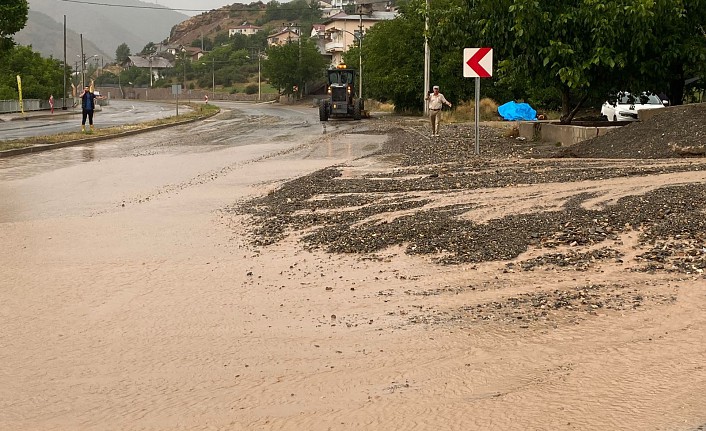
point(624, 106)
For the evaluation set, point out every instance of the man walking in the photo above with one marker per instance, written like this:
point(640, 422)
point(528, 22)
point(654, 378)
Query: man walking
point(88, 105)
point(436, 102)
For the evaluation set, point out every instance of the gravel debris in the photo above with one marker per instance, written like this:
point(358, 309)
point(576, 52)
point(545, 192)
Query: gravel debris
point(368, 214)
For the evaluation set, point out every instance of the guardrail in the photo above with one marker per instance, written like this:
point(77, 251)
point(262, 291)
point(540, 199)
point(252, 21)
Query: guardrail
point(10, 106)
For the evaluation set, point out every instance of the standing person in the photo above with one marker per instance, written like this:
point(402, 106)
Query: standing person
point(51, 103)
point(88, 105)
point(436, 102)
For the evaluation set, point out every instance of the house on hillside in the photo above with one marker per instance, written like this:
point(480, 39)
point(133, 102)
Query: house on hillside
point(283, 36)
point(342, 31)
point(192, 53)
point(318, 30)
point(153, 63)
point(245, 29)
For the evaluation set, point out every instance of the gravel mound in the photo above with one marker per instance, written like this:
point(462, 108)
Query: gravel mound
point(671, 133)
point(369, 214)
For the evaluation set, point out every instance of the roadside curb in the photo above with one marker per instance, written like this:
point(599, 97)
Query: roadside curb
point(42, 116)
point(47, 147)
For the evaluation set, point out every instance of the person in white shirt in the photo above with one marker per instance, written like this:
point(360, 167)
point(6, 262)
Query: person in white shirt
point(436, 102)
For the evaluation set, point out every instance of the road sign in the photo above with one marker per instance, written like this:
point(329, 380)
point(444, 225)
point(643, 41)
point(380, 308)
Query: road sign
point(477, 62)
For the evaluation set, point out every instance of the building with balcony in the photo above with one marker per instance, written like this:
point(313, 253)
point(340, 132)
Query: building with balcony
point(342, 31)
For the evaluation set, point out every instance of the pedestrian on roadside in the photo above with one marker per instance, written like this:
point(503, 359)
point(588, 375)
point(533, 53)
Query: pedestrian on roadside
point(88, 105)
point(436, 102)
point(205, 97)
point(51, 103)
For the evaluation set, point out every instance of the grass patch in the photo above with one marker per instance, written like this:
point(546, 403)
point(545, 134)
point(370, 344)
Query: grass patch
point(198, 111)
point(374, 105)
point(466, 111)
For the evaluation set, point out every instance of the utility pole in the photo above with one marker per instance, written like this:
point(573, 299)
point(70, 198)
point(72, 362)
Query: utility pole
point(360, 56)
point(83, 70)
point(426, 59)
point(63, 103)
point(299, 38)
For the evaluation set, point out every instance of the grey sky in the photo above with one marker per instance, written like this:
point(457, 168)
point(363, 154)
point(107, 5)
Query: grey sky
point(194, 7)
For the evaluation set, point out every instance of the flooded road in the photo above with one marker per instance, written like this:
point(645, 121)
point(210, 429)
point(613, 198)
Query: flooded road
point(102, 176)
point(116, 113)
point(118, 265)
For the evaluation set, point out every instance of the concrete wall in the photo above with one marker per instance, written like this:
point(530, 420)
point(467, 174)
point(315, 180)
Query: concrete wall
point(564, 133)
point(187, 95)
point(7, 106)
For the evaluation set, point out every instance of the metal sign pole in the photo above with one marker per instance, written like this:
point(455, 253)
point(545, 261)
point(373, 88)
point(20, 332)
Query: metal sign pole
point(477, 116)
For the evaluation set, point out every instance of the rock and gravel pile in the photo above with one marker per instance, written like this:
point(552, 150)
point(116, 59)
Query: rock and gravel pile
point(347, 215)
point(674, 132)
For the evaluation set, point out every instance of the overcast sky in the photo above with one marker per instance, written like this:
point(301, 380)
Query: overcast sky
point(192, 7)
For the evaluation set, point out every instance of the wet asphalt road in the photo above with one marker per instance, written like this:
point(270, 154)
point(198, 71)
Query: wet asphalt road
point(93, 178)
point(116, 113)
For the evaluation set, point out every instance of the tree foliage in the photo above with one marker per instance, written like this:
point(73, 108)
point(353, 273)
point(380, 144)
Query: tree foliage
point(13, 17)
point(41, 77)
point(300, 11)
point(122, 53)
point(291, 66)
point(552, 53)
point(592, 46)
point(393, 59)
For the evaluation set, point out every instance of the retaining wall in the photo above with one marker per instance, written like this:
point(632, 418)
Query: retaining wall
point(566, 134)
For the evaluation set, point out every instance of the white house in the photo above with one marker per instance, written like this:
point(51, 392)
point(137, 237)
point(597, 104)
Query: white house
point(245, 29)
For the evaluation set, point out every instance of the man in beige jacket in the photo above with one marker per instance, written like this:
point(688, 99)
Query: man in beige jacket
point(436, 102)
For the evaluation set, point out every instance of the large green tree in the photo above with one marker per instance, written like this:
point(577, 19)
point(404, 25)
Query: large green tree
point(13, 17)
point(122, 53)
point(291, 66)
point(393, 61)
point(41, 77)
point(675, 48)
point(587, 46)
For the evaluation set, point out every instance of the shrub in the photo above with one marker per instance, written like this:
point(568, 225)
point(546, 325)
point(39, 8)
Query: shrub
point(251, 89)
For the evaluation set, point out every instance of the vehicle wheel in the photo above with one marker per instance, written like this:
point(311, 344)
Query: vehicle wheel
point(615, 118)
point(357, 111)
point(323, 110)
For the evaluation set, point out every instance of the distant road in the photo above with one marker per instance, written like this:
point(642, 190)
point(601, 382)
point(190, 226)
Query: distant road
point(116, 113)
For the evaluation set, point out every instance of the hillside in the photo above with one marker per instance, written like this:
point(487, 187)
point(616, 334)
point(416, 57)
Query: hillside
point(208, 24)
point(135, 23)
point(46, 37)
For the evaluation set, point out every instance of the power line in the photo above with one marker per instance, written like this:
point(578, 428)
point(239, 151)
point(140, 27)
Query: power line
point(133, 6)
point(181, 9)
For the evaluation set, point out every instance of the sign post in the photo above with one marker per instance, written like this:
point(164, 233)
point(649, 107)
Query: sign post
point(19, 91)
point(477, 63)
point(176, 90)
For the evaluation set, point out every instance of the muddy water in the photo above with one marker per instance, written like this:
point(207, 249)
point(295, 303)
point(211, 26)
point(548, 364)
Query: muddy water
point(130, 300)
point(102, 176)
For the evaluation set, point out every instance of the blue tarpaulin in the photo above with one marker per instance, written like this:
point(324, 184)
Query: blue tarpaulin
point(517, 111)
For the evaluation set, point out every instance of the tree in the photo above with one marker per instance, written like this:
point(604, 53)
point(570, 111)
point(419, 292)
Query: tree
point(592, 46)
point(291, 66)
point(150, 48)
point(122, 53)
point(41, 77)
point(393, 59)
point(13, 17)
point(675, 48)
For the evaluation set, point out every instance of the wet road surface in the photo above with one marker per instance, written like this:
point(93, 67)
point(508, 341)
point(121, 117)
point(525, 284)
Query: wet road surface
point(116, 113)
point(99, 176)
